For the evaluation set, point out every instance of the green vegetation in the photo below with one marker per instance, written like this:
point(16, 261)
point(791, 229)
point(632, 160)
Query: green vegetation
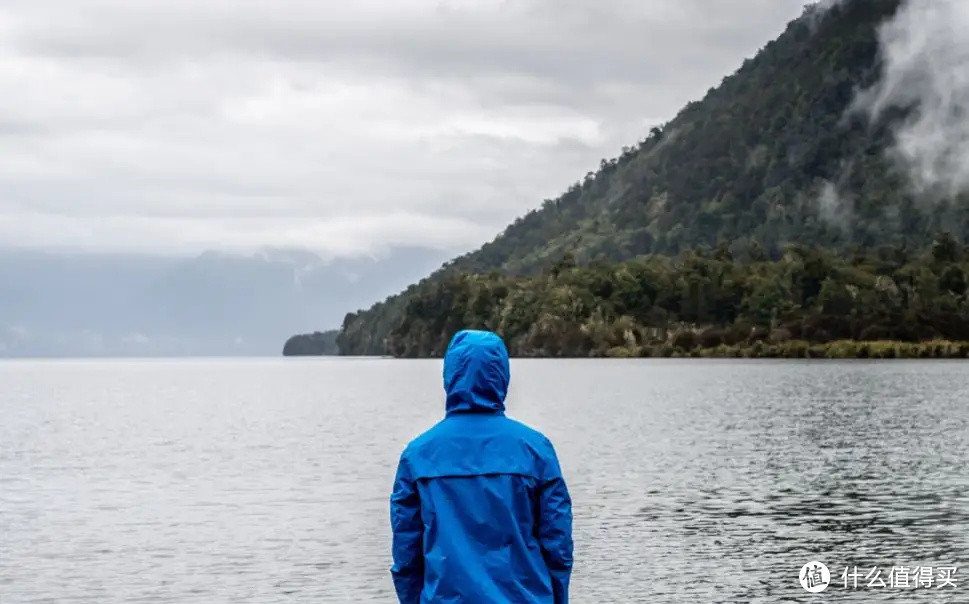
point(767, 219)
point(841, 349)
point(809, 303)
point(312, 344)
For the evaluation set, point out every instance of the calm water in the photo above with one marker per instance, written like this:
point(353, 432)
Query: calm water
point(267, 480)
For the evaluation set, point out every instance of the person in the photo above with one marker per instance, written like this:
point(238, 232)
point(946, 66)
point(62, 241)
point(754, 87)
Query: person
point(480, 511)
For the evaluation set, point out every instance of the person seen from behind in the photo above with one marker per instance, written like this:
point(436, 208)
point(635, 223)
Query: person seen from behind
point(480, 512)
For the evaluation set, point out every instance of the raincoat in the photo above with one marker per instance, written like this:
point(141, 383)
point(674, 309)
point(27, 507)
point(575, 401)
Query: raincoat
point(480, 511)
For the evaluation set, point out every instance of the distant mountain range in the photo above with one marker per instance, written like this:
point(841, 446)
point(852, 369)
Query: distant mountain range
point(212, 304)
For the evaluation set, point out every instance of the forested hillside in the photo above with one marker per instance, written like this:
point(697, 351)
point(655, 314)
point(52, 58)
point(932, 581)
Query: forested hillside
point(661, 306)
point(774, 156)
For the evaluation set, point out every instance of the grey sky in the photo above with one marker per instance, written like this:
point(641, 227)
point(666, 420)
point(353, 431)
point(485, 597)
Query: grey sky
point(175, 126)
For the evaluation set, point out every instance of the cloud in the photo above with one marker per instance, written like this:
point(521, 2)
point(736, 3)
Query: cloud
point(833, 207)
point(925, 56)
point(180, 125)
point(346, 235)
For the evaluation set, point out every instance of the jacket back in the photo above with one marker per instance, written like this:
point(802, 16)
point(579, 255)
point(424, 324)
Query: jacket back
point(480, 511)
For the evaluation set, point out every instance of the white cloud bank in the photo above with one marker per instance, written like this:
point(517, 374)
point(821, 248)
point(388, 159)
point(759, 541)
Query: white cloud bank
point(180, 125)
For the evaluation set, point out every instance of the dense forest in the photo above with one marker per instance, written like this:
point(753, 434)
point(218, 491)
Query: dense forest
point(767, 218)
point(809, 302)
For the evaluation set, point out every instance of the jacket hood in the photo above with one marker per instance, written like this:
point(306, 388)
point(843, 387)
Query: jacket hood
point(476, 373)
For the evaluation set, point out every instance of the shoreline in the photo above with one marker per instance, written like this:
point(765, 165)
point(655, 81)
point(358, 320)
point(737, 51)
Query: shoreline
point(789, 349)
point(801, 349)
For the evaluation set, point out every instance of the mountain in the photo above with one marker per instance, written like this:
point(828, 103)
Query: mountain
point(756, 158)
point(213, 304)
point(781, 152)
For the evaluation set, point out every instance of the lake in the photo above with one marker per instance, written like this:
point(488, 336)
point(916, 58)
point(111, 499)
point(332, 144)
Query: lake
point(267, 480)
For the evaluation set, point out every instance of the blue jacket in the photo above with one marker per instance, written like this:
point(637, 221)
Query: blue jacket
point(480, 512)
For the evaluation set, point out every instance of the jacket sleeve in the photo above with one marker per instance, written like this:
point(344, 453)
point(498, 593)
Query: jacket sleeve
point(555, 530)
point(405, 520)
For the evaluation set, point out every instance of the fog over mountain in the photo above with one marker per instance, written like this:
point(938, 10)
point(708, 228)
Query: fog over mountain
point(211, 304)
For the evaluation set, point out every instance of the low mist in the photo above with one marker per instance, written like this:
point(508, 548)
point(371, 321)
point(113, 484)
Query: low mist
point(925, 71)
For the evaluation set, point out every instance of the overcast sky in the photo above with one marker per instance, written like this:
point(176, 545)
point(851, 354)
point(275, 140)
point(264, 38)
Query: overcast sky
point(174, 126)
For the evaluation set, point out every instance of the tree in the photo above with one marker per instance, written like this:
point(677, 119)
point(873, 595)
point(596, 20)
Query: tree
point(566, 262)
point(835, 299)
point(953, 279)
point(946, 249)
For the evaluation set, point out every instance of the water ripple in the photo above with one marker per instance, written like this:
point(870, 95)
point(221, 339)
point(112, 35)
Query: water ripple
point(267, 480)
